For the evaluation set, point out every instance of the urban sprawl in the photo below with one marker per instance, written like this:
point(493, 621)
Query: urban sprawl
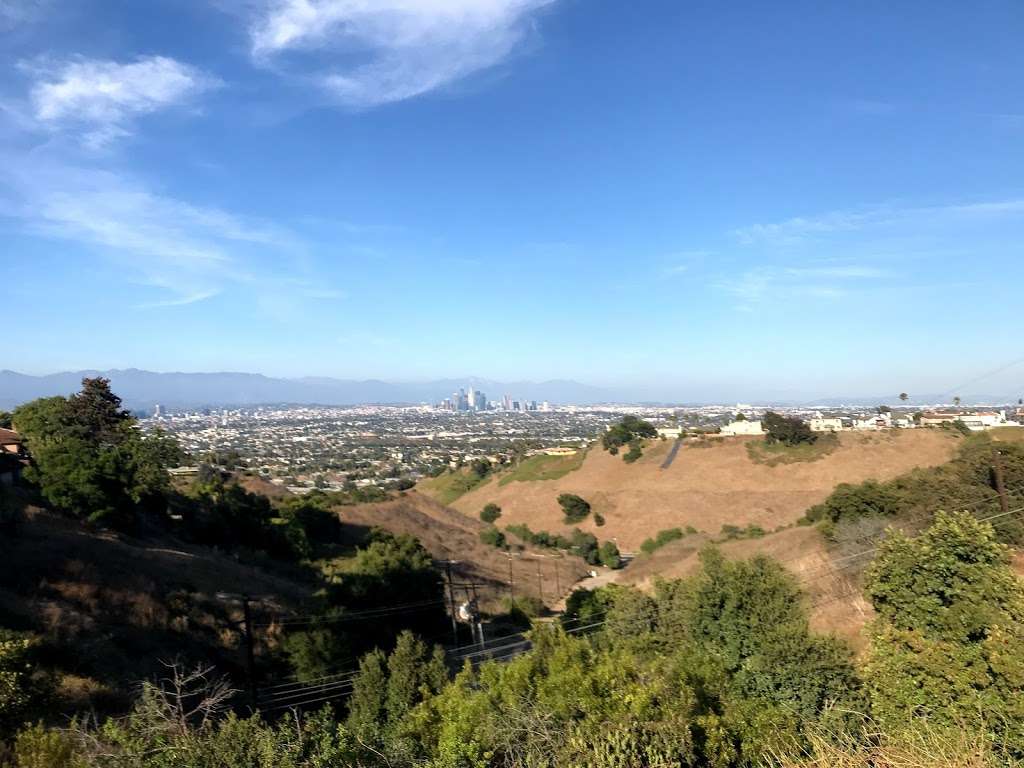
point(393, 446)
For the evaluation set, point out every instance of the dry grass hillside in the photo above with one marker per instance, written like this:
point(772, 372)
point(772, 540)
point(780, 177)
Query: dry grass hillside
point(447, 534)
point(707, 486)
point(127, 604)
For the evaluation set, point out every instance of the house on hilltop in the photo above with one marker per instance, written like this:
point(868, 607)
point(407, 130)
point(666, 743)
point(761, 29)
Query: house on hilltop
point(975, 420)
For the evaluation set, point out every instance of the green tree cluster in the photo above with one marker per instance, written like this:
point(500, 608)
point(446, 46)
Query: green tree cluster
point(965, 482)
point(787, 430)
point(629, 429)
point(490, 513)
point(580, 543)
point(388, 570)
point(948, 642)
point(574, 508)
point(90, 459)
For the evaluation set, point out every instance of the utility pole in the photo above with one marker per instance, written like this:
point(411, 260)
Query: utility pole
point(511, 583)
point(540, 583)
point(250, 656)
point(997, 474)
point(558, 585)
point(451, 601)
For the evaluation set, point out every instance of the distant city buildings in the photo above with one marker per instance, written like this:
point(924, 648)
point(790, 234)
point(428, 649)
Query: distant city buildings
point(472, 400)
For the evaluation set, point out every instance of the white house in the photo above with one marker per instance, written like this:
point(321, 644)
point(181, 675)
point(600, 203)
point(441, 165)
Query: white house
point(671, 432)
point(743, 428)
point(820, 424)
point(976, 420)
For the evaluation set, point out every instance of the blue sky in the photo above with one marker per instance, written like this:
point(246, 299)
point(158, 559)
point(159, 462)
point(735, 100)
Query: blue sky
point(693, 198)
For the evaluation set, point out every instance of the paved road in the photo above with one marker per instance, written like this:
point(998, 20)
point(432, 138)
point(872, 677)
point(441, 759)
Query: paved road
point(672, 454)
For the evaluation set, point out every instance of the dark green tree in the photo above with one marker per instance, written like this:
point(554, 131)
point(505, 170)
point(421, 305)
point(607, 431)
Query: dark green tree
point(787, 430)
point(574, 508)
point(490, 513)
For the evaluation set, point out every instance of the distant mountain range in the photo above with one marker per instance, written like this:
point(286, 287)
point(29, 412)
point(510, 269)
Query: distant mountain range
point(143, 389)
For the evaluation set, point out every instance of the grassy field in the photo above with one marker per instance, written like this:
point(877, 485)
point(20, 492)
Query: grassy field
point(774, 454)
point(448, 487)
point(1007, 434)
point(543, 467)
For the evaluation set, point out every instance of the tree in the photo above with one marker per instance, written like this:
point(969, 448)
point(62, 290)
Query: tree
point(608, 553)
point(948, 643)
point(574, 507)
point(956, 401)
point(493, 537)
point(5, 419)
point(635, 452)
point(90, 459)
point(490, 513)
point(786, 430)
point(629, 429)
point(904, 397)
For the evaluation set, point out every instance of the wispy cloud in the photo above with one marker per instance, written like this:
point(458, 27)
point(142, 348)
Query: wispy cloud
point(760, 284)
point(802, 228)
point(681, 262)
point(389, 50)
point(186, 252)
point(14, 13)
point(101, 99)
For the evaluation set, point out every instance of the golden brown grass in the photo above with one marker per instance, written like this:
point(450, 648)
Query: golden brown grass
point(705, 487)
point(920, 746)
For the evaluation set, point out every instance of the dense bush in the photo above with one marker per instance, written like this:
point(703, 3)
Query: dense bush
point(787, 430)
point(719, 670)
point(574, 508)
point(948, 643)
point(490, 513)
point(661, 539)
point(635, 452)
point(493, 537)
point(626, 431)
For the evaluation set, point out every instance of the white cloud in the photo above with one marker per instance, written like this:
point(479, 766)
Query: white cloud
point(802, 228)
point(181, 252)
point(759, 284)
point(102, 98)
point(380, 51)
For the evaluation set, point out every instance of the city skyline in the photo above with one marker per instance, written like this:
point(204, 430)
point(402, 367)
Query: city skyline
point(780, 203)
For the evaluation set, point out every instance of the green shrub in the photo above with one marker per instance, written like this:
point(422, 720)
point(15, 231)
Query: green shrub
point(662, 538)
point(608, 554)
point(490, 513)
point(635, 452)
point(574, 507)
point(493, 537)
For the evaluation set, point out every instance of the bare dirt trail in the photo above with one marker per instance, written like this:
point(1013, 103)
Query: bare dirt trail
point(706, 487)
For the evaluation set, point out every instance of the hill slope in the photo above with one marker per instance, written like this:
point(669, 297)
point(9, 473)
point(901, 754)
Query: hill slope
point(706, 487)
point(447, 534)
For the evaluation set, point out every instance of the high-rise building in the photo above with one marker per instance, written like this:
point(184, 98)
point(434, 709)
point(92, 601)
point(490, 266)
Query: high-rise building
point(158, 410)
point(471, 399)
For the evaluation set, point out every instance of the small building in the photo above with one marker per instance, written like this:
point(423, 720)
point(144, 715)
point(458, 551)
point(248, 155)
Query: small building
point(560, 451)
point(743, 428)
point(671, 432)
point(13, 457)
point(821, 424)
point(974, 420)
